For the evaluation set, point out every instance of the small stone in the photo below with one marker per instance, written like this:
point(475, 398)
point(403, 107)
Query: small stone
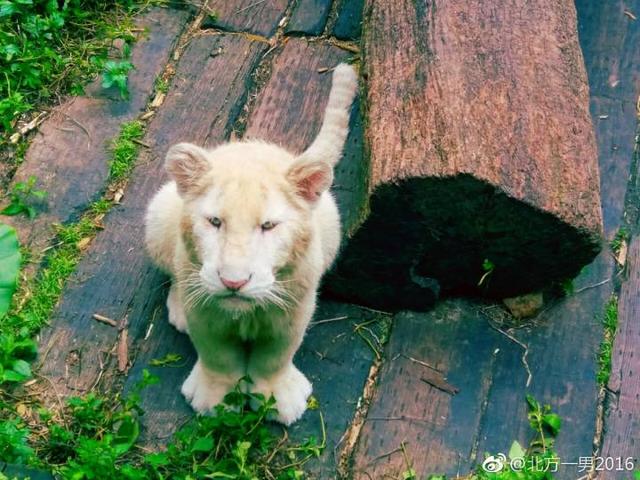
point(525, 305)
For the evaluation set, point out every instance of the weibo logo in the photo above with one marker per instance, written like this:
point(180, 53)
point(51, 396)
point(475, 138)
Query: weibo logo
point(494, 463)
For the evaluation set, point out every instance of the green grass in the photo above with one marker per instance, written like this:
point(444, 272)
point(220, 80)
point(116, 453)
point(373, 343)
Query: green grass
point(622, 236)
point(124, 150)
point(48, 48)
point(610, 323)
point(22, 197)
point(37, 298)
point(97, 438)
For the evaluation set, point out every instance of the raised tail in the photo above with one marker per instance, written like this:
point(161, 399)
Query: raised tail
point(328, 145)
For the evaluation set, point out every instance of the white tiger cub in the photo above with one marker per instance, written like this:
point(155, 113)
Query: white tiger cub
point(246, 230)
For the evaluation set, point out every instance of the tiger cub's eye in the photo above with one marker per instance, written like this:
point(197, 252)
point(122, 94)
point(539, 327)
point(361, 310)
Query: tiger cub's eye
point(215, 221)
point(268, 226)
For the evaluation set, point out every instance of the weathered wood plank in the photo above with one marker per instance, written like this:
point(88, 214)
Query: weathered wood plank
point(69, 154)
point(348, 25)
point(252, 16)
point(562, 355)
point(309, 17)
point(622, 422)
point(609, 40)
point(337, 361)
point(115, 278)
point(517, 179)
point(439, 429)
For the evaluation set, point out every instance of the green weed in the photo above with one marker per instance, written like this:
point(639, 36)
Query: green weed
point(22, 197)
point(116, 74)
point(537, 462)
point(48, 47)
point(97, 438)
point(161, 85)
point(610, 323)
point(487, 267)
point(124, 150)
point(622, 236)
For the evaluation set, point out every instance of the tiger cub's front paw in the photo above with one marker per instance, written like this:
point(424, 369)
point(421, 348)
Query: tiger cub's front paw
point(291, 389)
point(203, 390)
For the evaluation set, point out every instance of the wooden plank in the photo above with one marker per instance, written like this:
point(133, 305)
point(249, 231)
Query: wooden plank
point(69, 153)
point(309, 17)
point(562, 356)
point(609, 40)
point(622, 422)
point(522, 164)
point(252, 16)
point(439, 429)
point(348, 25)
point(337, 361)
point(115, 278)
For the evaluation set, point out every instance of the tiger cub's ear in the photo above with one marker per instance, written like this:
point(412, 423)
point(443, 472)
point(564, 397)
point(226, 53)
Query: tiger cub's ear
point(186, 163)
point(310, 178)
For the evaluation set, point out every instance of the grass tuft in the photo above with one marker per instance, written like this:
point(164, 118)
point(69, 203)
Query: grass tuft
point(48, 48)
point(124, 150)
point(610, 323)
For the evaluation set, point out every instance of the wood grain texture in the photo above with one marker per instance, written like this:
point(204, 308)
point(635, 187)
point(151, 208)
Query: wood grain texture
point(348, 24)
point(252, 16)
point(481, 146)
point(439, 429)
point(622, 422)
point(609, 40)
point(69, 154)
point(562, 355)
point(337, 361)
point(309, 17)
point(296, 95)
point(115, 278)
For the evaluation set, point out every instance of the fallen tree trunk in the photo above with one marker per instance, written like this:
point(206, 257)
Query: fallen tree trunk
point(483, 165)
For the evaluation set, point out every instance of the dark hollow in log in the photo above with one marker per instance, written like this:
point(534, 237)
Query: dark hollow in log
point(426, 236)
point(481, 148)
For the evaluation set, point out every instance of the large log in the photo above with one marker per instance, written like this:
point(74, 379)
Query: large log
point(481, 148)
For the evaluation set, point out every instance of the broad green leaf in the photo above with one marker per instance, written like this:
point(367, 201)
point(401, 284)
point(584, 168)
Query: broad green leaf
point(9, 266)
point(126, 435)
point(21, 367)
point(12, 209)
point(532, 402)
point(516, 450)
point(11, 376)
point(203, 444)
point(552, 422)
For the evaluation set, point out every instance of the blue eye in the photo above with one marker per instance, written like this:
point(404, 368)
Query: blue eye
point(266, 226)
point(215, 221)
